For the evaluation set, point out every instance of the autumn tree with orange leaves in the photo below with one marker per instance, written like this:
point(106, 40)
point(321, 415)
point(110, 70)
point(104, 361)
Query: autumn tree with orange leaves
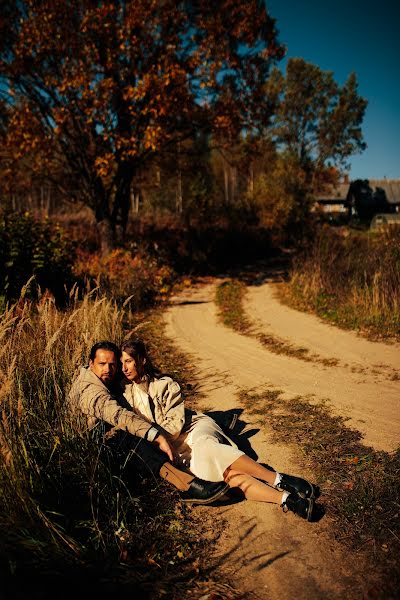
point(101, 87)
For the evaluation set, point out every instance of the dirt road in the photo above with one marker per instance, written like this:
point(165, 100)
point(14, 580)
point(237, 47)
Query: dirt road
point(263, 551)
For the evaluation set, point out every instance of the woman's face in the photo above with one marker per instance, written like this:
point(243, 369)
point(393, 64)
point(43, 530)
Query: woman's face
point(129, 367)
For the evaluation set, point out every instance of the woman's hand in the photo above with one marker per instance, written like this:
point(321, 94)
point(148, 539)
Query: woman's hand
point(164, 446)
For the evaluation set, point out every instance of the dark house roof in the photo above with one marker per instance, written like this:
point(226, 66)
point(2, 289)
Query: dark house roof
point(391, 188)
point(338, 194)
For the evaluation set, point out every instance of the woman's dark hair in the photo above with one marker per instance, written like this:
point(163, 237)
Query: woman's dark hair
point(137, 350)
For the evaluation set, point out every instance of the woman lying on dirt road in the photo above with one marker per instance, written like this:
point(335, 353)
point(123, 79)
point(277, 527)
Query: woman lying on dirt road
point(200, 443)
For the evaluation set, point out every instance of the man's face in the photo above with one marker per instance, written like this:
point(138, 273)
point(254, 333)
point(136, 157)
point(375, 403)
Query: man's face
point(104, 365)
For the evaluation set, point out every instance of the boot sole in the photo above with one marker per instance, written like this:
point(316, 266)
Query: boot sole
point(300, 514)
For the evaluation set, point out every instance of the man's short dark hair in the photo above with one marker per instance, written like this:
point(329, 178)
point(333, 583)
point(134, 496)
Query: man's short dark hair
point(104, 345)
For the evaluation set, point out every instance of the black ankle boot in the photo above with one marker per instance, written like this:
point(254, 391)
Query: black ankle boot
point(296, 485)
point(203, 492)
point(303, 507)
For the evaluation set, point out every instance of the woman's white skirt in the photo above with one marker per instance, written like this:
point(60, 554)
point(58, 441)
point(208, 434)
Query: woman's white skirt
point(204, 449)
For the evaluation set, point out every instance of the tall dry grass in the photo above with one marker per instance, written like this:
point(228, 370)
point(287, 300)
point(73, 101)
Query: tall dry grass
point(51, 486)
point(353, 280)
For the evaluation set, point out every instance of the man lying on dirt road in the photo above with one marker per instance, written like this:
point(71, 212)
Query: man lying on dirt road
point(129, 436)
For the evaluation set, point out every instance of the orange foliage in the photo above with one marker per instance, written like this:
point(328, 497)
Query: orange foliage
point(121, 275)
point(106, 85)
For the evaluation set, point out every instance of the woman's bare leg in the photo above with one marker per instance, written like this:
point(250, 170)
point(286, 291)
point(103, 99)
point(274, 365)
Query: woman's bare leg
point(246, 465)
point(257, 490)
point(252, 488)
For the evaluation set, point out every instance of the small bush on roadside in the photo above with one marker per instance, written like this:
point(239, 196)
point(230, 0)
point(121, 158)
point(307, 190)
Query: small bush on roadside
point(32, 247)
point(122, 275)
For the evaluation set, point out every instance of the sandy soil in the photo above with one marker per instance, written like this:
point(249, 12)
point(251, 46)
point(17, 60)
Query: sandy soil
point(263, 551)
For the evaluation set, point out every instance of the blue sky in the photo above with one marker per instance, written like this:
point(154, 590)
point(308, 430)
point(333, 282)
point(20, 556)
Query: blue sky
point(361, 36)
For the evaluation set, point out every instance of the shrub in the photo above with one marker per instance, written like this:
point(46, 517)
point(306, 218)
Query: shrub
point(32, 247)
point(281, 201)
point(122, 275)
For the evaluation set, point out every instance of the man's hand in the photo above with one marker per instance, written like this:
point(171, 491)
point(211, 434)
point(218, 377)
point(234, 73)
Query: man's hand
point(164, 446)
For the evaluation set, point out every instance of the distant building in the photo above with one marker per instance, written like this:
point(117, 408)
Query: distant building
point(361, 197)
point(334, 199)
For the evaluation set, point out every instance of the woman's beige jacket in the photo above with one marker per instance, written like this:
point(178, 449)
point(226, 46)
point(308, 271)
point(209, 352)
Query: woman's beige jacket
point(158, 401)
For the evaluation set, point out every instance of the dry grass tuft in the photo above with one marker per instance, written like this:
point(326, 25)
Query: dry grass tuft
point(353, 281)
point(229, 299)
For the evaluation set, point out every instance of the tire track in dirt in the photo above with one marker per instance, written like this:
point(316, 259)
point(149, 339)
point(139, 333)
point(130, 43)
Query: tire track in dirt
point(345, 349)
point(263, 551)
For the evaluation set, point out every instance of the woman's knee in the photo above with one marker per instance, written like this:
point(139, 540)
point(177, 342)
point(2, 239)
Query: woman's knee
point(230, 474)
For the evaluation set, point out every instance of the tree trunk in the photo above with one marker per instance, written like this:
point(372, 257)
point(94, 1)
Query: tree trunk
point(103, 218)
point(226, 182)
point(135, 197)
point(106, 236)
point(233, 183)
point(251, 179)
point(122, 201)
point(179, 199)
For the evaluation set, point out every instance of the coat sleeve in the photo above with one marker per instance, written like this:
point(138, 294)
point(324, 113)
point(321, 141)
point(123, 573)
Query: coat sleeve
point(169, 405)
point(97, 401)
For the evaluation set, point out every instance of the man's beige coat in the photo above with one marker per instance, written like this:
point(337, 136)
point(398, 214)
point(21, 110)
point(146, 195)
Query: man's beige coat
point(89, 394)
